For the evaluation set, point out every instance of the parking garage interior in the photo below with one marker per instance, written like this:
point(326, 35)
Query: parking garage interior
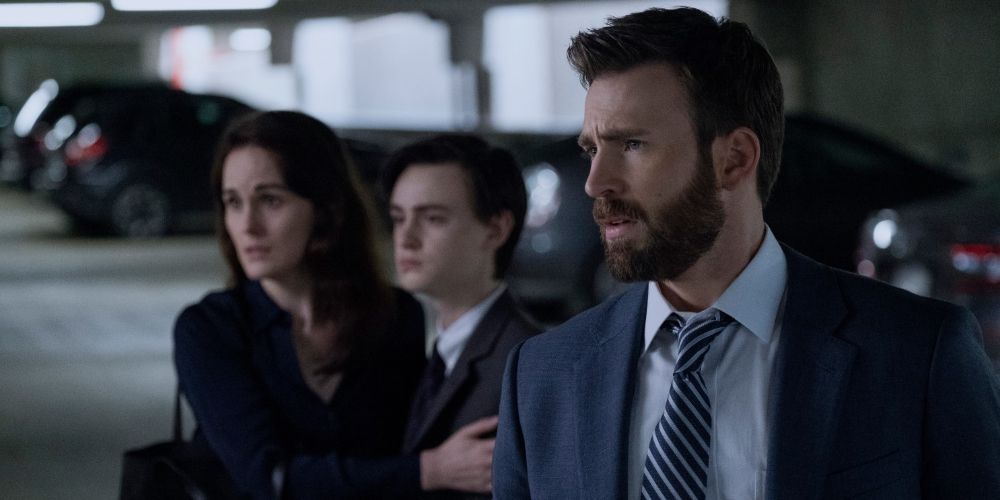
point(85, 319)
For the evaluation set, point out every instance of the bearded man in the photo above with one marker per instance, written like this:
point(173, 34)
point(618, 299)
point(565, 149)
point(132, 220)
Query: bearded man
point(736, 368)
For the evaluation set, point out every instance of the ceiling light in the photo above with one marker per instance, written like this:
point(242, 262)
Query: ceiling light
point(152, 5)
point(45, 15)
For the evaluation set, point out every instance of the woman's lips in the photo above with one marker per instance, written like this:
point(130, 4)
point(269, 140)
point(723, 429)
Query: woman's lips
point(256, 252)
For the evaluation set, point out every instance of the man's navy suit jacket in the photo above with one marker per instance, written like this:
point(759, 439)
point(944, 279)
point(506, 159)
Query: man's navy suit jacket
point(877, 393)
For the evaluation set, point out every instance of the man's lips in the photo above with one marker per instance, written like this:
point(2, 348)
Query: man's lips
point(616, 217)
point(614, 220)
point(406, 265)
point(615, 227)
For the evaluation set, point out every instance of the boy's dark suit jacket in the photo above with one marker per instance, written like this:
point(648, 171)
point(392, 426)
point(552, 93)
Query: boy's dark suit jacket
point(472, 390)
point(877, 394)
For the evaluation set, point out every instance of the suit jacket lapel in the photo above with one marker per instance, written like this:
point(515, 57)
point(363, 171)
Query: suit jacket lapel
point(480, 344)
point(605, 383)
point(811, 372)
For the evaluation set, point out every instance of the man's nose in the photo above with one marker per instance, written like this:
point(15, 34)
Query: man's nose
point(407, 234)
point(604, 179)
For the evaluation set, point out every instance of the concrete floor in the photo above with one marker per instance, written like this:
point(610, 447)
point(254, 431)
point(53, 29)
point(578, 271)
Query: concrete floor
point(85, 367)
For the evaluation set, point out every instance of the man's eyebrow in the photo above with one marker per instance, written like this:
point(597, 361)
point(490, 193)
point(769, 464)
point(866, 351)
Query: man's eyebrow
point(622, 133)
point(426, 207)
point(430, 207)
point(611, 135)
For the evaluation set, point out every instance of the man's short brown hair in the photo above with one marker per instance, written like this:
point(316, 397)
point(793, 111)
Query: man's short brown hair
point(730, 77)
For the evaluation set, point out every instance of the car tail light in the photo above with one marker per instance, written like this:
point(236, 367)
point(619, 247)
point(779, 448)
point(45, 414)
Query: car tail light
point(978, 265)
point(89, 145)
point(38, 142)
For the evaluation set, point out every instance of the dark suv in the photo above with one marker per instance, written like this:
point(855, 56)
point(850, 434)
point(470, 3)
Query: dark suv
point(135, 159)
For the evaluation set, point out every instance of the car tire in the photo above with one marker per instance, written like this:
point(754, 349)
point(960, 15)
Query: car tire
point(140, 211)
point(80, 226)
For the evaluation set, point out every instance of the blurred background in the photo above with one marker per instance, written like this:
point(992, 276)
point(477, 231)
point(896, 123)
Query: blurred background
point(109, 111)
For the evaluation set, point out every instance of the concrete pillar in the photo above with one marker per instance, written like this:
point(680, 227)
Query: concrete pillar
point(921, 73)
point(471, 79)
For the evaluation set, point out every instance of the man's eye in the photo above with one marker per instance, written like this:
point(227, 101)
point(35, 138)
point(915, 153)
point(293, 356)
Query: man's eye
point(270, 200)
point(589, 152)
point(632, 145)
point(231, 202)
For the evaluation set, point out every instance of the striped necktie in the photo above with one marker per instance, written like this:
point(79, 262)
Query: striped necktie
point(677, 459)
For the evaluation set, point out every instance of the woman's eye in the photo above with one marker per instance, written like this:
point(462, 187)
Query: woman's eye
point(231, 202)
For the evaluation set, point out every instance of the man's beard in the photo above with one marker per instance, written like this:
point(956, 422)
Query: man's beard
point(680, 232)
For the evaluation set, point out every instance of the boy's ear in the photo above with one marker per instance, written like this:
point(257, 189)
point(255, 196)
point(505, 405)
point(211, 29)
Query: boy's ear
point(736, 156)
point(501, 226)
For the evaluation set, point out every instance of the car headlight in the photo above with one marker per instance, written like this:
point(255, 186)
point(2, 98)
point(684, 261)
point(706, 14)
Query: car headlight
point(883, 233)
point(887, 234)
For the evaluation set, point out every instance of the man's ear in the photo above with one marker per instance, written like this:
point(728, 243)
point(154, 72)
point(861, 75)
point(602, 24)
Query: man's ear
point(735, 157)
point(500, 225)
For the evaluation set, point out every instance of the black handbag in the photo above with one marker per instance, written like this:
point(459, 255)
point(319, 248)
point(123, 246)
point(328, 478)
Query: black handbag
point(174, 470)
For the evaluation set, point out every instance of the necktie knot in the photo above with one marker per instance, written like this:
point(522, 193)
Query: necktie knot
point(695, 336)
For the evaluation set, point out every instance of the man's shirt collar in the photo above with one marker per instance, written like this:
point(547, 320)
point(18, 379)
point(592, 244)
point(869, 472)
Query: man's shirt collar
point(451, 341)
point(752, 299)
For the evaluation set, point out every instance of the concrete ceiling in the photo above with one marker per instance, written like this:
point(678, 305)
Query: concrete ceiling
point(119, 27)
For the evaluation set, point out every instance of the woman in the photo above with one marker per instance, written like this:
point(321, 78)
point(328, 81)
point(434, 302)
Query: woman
point(301, 373)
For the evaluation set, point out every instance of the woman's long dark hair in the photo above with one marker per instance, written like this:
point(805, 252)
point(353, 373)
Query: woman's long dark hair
point(350, 288)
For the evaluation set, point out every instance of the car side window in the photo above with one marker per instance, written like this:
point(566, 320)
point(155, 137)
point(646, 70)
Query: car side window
point(144, 115)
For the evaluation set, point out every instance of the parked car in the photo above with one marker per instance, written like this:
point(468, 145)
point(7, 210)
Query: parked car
point(6, 119)
point(32, 132)
point(831, 178)
point(947, 247)
point(135, 159)
point(6, 116)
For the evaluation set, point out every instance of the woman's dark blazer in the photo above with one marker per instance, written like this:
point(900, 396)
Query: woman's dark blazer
point(238, 368)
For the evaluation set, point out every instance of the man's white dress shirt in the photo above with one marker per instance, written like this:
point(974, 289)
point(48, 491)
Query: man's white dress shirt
point(451, 341)
point(737, 371)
